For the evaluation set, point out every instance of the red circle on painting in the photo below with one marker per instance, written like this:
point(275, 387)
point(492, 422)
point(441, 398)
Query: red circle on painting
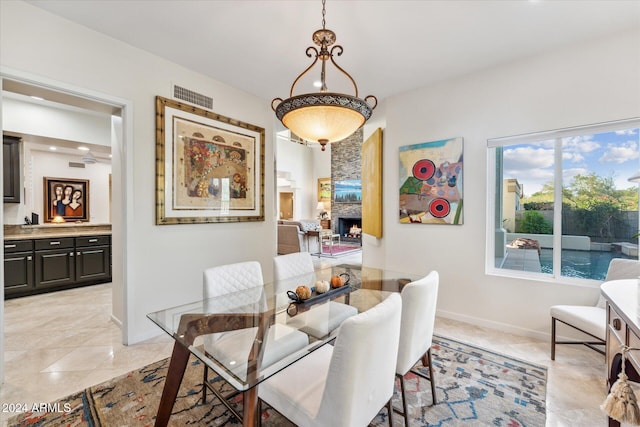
point(424, 169)
point(439, 208)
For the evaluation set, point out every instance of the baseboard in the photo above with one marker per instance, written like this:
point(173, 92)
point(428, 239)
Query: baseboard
point(147, 335)
point(117, 321)
point(503, 327)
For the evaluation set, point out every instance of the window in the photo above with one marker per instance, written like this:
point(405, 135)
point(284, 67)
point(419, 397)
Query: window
point(562, 205)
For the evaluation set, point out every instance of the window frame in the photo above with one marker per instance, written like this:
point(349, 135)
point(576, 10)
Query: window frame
point(494, 188)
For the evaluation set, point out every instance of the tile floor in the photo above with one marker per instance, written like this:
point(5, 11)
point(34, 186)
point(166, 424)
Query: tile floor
point(58, 343)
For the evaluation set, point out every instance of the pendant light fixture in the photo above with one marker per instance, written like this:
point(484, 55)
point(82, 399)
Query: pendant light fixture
point(324, 116)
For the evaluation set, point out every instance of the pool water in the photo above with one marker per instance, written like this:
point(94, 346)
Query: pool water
point(583, 264)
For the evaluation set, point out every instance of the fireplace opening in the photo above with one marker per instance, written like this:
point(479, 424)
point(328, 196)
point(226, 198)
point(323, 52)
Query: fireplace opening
point(350, 229)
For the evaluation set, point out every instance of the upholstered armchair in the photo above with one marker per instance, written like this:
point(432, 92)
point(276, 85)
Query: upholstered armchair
point(290, 239)
point(591, 320)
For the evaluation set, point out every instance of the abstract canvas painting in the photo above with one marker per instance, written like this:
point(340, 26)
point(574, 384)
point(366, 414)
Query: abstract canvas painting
point(431, 182)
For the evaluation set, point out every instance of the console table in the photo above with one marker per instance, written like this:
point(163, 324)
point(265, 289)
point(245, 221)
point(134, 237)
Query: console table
point(623, 328)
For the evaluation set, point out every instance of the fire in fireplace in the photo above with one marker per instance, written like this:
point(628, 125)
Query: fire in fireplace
point(350, 228)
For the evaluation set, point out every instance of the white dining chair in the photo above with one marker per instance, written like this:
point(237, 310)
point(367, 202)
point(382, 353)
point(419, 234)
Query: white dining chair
point(591, 320)
point(416, 333)
point(344, 385)
point(296, 269)
point(242, 285)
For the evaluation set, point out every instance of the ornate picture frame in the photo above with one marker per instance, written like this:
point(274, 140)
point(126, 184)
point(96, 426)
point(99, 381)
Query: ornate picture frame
point(209, 168)
point(66, 198)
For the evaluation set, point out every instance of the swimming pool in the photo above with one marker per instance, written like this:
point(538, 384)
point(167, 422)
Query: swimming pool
point(583, 264)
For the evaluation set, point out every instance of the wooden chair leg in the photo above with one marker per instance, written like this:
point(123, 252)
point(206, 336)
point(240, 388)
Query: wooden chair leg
point(553, 338)
point(405, 412)
point(432, 379)
point(205, 379)
point(390, 412)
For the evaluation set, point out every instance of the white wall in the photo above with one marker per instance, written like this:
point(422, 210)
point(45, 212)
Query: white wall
point(581, 84)
point(296, 160)
point(164, 263)
point(67, 124)
point(38, 164)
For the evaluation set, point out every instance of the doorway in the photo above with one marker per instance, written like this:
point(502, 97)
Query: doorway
point(119, 111)
point(286, 205)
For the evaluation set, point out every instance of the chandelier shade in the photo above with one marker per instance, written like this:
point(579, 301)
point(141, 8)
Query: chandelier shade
point(327, 117)
point(324, 117)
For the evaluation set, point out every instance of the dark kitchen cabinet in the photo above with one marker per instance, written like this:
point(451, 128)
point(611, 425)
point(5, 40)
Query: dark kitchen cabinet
point(11, 168)
point(33, 266)
point(18, 266)
point(93, 258)
point(55, 262)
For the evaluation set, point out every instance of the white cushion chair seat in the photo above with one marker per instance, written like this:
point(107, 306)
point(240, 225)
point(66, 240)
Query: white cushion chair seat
point(232, 348)
point(238, 288)
point(299, 393)
point(592, 320)
point(323, 319)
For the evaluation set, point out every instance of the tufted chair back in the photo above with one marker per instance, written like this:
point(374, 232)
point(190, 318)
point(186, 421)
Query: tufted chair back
point(229, 278)
point(292, 266)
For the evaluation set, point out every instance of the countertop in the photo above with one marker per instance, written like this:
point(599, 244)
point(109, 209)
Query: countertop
point(24, 232)
point(624, 295)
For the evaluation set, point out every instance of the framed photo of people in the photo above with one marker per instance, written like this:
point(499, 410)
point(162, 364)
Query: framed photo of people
point(66, 198)
point(209, 168)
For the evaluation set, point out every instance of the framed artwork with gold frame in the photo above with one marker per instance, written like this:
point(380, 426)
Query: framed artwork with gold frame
point(209, 168)
point(324, 189)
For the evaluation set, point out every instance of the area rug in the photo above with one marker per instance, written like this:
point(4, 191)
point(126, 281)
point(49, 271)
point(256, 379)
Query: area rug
point(339, 250)
point(474, 386)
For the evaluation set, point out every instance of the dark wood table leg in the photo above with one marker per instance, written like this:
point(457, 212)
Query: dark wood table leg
point(177, 366)
point(250, 411)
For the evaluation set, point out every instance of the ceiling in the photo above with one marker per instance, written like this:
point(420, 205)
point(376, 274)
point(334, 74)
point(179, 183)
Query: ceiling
point(389, 46)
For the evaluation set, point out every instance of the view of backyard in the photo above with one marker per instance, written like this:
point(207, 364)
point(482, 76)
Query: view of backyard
point(580, 215)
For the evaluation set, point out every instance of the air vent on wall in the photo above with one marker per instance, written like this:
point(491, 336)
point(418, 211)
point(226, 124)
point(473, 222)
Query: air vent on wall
point(192, 97)
point(76, 165)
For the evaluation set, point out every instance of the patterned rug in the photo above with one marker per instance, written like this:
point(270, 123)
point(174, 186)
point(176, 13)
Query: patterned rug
point(475, 387)
point(339, 250)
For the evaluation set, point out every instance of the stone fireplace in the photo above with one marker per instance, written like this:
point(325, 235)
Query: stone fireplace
point(346, 165)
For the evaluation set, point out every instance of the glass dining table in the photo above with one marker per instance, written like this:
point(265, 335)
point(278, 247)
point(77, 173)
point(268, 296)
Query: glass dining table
point(259, 309)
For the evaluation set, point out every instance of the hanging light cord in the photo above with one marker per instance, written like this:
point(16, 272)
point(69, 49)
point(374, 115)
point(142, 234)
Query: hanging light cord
point(323, 13)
